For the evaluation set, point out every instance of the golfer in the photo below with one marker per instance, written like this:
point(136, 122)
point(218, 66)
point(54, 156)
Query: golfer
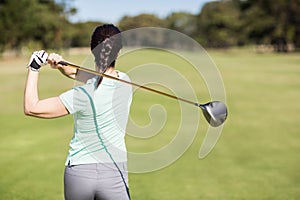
point(96, 165)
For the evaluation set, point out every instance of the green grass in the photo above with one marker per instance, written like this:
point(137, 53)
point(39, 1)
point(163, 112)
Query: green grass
point(256, 157)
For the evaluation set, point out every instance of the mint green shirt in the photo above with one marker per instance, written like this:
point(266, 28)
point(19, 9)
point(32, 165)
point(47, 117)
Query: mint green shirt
point(100, 119)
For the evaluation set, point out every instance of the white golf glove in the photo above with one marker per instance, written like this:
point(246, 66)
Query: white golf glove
point(38, 59)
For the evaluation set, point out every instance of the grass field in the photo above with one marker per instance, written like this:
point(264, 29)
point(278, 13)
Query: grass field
point(256, 157)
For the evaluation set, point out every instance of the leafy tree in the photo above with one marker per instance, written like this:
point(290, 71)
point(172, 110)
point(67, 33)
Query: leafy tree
point(142, 20)
point(80, 33)
point(143, 36)
point(272, 22)
point(183, 22)
point(218, 24)
point(24, 21)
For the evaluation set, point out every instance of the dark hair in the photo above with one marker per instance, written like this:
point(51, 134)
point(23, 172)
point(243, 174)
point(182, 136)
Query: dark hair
point(106, 43)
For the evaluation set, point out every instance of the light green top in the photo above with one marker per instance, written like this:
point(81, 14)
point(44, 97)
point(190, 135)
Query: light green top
point(100, 119)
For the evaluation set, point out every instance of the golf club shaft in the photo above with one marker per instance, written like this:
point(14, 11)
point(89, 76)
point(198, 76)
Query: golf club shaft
point(127, 82)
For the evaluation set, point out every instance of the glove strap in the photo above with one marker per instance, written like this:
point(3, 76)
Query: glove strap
point(35, 65)
point(33, 69)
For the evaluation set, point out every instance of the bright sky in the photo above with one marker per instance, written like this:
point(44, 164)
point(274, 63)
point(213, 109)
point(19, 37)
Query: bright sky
point(111, 11)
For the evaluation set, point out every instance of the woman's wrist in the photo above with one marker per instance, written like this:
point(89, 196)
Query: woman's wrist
point(33, 69)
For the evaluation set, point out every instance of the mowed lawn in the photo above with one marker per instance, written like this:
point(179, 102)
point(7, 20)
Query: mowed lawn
point(256, 157)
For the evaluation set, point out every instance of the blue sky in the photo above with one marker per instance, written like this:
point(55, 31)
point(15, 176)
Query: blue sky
point(111, 11)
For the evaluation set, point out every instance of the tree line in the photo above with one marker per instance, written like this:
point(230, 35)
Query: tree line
point(219, 24)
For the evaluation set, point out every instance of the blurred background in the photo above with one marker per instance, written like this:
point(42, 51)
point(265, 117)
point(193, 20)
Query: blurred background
point(60, 24)
point(255, 45)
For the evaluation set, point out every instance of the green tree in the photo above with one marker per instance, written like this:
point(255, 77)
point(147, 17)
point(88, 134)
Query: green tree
point(80, 33)
point(183, 22)
point(272, 22)
point(219, 25)
point(142, 20)
point(144, 37)
point(36, 21)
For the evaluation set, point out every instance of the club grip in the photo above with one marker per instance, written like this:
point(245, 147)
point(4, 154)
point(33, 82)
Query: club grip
point(63, 63)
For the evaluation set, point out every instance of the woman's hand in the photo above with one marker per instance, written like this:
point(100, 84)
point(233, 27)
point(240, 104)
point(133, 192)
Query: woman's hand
point(38, 59)
point(54, 59)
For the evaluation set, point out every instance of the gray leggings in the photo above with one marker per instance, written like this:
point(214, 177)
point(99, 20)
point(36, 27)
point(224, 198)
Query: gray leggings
point(96, 181)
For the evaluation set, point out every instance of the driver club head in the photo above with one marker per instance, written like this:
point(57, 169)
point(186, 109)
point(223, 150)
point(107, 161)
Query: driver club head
point(215, 112)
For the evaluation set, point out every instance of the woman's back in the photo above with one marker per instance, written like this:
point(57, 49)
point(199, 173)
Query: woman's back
point(100, 118)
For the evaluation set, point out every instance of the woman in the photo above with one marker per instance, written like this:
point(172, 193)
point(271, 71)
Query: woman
point(96, 166)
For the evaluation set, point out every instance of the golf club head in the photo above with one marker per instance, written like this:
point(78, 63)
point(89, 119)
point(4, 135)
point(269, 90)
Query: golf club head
point(215, 113)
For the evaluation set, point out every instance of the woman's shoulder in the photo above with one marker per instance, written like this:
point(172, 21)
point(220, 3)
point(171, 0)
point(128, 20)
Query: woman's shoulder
point(86, 87)
point(123, 76)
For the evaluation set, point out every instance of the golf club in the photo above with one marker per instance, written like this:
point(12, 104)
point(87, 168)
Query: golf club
point(215, 112)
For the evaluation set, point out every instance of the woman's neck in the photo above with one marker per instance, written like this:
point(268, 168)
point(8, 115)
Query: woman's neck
point(111, 71)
